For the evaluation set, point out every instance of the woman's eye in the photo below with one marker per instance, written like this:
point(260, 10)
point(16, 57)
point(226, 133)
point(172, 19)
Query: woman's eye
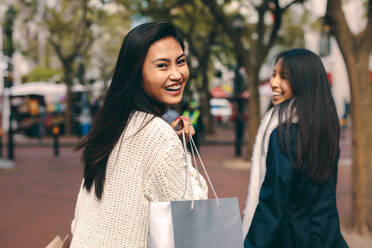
point(273, 75)
point(161, 65)
point(181, 61)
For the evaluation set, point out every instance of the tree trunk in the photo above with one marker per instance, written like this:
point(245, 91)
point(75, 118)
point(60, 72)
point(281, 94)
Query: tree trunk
point(252, 110)
point(356, 50)
point(361, 113)
point(68, 111)
point(207, 117)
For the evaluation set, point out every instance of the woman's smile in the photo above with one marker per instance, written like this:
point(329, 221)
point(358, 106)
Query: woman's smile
point(174, 89)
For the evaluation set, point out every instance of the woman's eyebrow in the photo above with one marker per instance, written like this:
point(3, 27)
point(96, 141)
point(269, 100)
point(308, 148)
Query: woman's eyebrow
point(161, 59)
point(180, 56)
point(167, 59)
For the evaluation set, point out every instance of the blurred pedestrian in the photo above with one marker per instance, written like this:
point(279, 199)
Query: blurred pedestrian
point(194, 115)
point(131, 155)
point(343, 121)
point(85, 121)
point(292, 191)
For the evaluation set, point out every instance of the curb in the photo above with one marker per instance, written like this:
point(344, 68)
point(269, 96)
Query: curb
point(6, 164)
point(236, 164)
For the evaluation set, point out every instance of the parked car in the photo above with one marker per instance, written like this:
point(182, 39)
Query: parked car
point(221, 109)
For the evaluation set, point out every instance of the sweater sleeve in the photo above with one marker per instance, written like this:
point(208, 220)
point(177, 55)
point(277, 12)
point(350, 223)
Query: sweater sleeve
point(167, 178)
point(274, 194)
point(73, 222)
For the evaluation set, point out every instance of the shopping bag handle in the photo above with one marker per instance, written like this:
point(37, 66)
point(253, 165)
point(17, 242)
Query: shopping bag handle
point(187, 174)
point(188, 178)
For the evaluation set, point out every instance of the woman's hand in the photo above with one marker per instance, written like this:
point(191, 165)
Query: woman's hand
point(183, 123)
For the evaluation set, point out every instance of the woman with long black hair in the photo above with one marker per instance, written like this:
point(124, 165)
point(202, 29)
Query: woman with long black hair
point(292, 192)
point(131, 155)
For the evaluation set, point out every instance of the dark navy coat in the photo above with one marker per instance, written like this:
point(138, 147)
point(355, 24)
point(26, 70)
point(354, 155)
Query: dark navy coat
point(292, 211)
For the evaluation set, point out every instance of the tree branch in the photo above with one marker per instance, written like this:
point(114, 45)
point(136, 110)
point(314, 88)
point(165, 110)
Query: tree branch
point(291, 3)
point(262, 48)
point(83, 27)
point(265, 48)
point(365, 36)
point(261, 27)
point(223, 20)
point(57, 48)
point(339, 28)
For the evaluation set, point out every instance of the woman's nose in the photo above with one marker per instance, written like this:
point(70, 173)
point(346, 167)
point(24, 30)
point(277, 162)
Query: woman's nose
point(274, 82)
point(175, 75)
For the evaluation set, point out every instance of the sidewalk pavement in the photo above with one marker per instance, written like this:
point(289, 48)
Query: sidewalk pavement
point(38, 195)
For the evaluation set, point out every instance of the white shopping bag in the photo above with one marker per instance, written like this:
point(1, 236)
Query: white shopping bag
point(197, 223)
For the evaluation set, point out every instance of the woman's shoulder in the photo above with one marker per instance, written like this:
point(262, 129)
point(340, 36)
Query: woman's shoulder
point(153, 126)
point(285, 129)
point(284, 138)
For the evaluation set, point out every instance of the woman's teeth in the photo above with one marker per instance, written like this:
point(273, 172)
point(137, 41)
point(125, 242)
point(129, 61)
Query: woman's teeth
point(173, 87)
point(277, 94)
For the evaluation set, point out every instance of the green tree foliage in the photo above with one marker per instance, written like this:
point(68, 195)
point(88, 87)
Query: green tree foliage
point(292, 33)
point(70, 35)
point(114, 23)
point(41, 73)
point(8, 25)
point(83, 37)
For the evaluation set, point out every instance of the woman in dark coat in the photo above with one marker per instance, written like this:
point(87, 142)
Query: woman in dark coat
point(292, 193)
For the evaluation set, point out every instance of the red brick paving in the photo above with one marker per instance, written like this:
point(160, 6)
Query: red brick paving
point(37, 199)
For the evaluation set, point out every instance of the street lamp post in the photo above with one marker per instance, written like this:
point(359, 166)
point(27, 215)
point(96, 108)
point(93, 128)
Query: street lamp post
point(8, 80)
point(239, 123)
point(10, 131)
point(238, 22)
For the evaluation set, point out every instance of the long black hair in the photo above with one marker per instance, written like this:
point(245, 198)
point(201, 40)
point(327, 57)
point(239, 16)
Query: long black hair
point(318, 136)
point(124, 96)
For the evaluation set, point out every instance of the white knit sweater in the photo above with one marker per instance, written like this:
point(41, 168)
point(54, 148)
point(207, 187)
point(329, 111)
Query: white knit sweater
point(147, 166)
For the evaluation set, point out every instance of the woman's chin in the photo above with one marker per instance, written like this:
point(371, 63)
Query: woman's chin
point(173, 100)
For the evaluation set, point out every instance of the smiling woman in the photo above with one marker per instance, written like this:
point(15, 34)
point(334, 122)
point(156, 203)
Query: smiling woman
point(131, 155)
point(165, 71)
point(279, 82)
point(292, 190)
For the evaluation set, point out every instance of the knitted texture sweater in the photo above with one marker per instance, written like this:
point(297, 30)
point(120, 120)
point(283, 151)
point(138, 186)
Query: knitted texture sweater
point(144, 166)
